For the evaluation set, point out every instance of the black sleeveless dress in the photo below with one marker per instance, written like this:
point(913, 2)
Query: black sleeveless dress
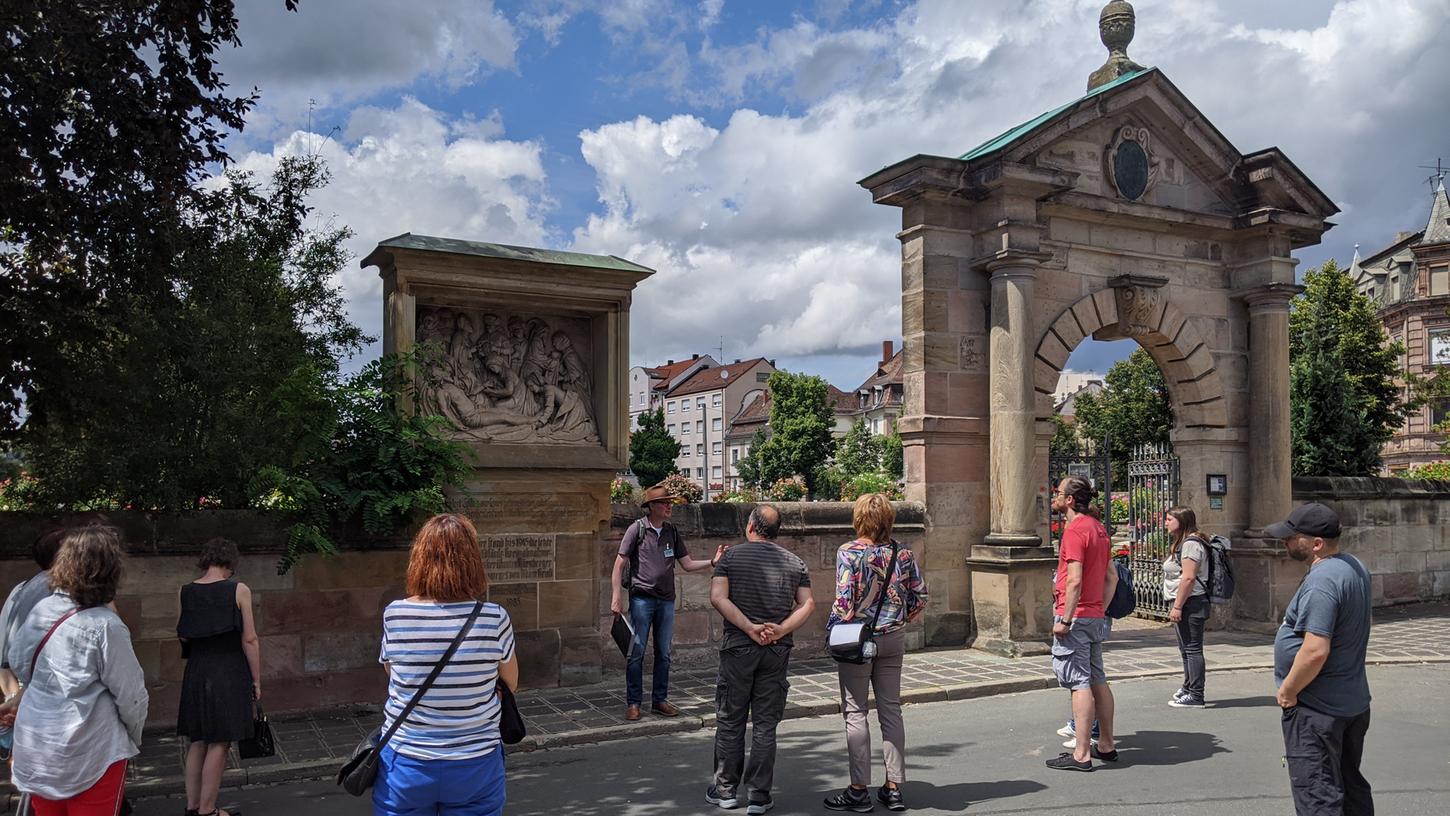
point(216, 691)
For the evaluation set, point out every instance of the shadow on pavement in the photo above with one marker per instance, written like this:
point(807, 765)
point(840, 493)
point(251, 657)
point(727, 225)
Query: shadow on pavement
point(1166, 748)
point(1262, 701)
point(961, 796)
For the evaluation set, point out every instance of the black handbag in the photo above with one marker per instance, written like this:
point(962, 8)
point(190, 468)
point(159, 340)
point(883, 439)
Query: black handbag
point(510, 722)
point(855, 642)
point(361, 769)
point(260, 744)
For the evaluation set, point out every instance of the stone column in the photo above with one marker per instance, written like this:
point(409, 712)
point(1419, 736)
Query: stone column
point(1011, 589)
point(1270, 472)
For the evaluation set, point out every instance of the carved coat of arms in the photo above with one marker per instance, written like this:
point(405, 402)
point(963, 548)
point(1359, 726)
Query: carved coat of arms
point(1131, 164)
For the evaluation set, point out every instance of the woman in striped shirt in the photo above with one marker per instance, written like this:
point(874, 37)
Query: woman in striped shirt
point(446, 757)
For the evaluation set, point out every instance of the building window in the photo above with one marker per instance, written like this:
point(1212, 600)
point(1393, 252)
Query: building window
point(1440, 280)
point(716, 448)
point(699, 450)
point(670, 407)
point(699, 473)
point(641, 399)
point(1439, 412)
point(715, 400)
point(762, 377)
point(670, 428)
point(1394, 287)
point(685, 451)
point(699, 426)
point(684, 427)
point(715, 424)
point(734, 455)
point(684, 406)
point(715, 472)
point(1440, 347)
point(700, 403)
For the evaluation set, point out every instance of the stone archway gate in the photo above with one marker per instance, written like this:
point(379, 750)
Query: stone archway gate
point(1123, 214)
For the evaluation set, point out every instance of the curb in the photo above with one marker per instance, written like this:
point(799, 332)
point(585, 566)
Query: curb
point(326, 769)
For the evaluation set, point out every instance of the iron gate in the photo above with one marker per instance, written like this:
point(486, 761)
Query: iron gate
point(1089, 459)
point(1152, 489)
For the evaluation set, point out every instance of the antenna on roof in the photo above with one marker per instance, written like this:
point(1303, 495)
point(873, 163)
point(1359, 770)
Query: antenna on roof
point(1436, 178)
point(721, 348)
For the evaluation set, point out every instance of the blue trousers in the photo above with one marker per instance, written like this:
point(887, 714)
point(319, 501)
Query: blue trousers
point(439, 787)
point(648, 613)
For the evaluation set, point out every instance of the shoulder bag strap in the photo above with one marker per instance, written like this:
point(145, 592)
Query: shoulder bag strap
point(433, 675)
point(886, 584)
point(35, 656)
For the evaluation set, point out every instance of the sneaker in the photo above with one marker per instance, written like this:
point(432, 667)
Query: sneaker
point(891, 798)
point(1179, 693)
point(1106, 756)
point(1065, 762)
point(851, 799)
point(1187, 701)
point(1069, 730)
point(1072, 743)
point(721, 800)
point(759, 807)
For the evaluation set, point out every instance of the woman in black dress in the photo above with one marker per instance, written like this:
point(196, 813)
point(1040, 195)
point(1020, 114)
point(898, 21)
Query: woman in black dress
point(223, 672)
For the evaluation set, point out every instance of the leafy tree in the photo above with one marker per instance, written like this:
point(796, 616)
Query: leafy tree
point(1064, 438)
point(359, 456)
point(858, 451)
point(753, 473)
point(800, 429)
point(892, 456)
point(1341, 359)
point(111, 112)
point(652, 451)
point(1132, 409)
point(188, 398)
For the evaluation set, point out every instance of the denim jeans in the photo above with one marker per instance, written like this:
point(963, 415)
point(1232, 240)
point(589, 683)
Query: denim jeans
point(648, 613)
point(1190, 643)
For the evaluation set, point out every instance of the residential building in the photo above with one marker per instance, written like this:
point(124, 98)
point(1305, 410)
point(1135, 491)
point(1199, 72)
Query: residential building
point(1073, 382)
point(755, 416)
point(1410, 280)
point(882, 397)
point(647, 386)
point(698, 410)
point(1065, 405)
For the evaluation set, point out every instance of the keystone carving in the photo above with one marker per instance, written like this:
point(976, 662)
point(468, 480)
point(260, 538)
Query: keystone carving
point(1140, 304)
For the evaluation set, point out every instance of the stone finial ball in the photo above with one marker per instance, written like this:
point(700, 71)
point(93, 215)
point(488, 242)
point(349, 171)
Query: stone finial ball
point(1115, 25)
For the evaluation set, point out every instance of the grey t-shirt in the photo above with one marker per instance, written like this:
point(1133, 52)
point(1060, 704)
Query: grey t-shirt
point(1191, 550)
point(655, 567)
point(764, 578)
point(1333, 601)
point(17, 608)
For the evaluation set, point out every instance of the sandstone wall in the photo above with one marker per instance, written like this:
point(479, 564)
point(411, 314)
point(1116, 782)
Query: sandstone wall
point(320, 623)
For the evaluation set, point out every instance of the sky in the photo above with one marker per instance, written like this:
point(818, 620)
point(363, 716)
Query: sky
point(719, 142)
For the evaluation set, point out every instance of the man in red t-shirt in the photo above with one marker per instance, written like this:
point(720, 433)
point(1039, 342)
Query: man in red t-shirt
point(1084, 582)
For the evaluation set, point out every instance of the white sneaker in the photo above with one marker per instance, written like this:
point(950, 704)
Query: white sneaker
point(1072, 743)
point(1067, 731)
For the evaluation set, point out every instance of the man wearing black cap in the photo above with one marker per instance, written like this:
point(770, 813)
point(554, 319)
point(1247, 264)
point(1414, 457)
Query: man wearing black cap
point(1319, 667)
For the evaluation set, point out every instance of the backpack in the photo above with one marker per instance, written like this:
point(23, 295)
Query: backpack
point(1220, 580)
point(1125, 599)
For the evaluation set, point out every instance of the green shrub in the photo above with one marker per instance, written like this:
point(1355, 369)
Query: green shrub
point(621, 491)
point(864, 483)
point(1429, 470)
point(792, 488)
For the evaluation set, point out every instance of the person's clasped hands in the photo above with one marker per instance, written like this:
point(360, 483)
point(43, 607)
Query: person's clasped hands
point(765, 633)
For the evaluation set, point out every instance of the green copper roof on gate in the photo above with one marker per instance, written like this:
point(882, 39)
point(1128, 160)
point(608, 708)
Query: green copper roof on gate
point(513, 253)
point(999, 142)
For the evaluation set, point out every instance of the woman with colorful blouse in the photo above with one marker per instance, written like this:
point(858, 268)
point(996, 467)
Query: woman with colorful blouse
point(861, 568)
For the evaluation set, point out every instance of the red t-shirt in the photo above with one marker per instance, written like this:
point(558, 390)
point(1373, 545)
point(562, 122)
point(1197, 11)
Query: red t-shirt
point(1086, 542)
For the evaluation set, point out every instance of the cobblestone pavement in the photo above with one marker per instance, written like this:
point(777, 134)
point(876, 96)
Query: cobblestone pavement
point(312, 745)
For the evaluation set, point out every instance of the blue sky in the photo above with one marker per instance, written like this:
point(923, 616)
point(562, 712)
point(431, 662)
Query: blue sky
point(719, 142)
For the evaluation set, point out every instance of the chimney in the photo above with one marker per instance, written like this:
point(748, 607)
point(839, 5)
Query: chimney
point(737, 359)
point(888, 349)
point(694, 356)
point(670, 362)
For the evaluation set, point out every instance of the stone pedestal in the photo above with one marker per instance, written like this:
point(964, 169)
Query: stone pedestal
point(1265, 580)
point(525, 353)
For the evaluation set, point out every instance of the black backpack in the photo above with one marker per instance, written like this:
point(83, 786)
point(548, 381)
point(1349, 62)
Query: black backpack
point(1125, 599)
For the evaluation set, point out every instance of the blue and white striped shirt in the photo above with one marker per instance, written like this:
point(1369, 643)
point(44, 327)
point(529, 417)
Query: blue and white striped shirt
point(458, 716)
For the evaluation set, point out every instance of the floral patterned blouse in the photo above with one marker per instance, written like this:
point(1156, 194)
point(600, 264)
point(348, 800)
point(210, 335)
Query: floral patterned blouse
point(860, 568)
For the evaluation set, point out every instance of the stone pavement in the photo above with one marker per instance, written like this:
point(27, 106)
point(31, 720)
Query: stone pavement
point(314, 745)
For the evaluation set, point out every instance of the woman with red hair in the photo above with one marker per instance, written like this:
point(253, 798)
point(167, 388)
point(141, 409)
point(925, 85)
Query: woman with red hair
point(446, 757)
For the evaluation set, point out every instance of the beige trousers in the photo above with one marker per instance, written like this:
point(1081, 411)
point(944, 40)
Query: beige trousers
point(883, 676)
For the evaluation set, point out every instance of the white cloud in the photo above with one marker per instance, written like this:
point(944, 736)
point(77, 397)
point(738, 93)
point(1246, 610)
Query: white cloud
point(339, 52)
point(760, 233)
point(412, 169)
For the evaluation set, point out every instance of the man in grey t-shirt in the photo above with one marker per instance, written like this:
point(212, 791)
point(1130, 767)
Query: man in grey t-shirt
point(1319, 667)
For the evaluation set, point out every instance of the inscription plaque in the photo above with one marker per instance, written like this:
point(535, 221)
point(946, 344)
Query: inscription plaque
point(518, 557)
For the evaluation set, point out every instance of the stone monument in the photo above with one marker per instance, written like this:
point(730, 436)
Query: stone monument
point(529, 357)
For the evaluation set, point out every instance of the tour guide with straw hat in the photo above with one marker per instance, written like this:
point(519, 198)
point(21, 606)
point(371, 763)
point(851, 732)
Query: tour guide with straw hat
point(647, 556)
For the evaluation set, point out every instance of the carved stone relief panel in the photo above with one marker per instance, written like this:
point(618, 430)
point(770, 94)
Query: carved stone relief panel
point(1139, 307)
point(509, 377)
point(1132, 165)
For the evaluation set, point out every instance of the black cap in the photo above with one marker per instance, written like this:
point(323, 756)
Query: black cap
point(1312, 519)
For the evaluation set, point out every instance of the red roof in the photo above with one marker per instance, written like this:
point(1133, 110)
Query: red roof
point(716, 378)
point(888, 373)
point(669, 372)
point(841, 401)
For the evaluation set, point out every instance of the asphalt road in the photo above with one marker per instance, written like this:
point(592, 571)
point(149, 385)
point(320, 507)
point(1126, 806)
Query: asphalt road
point(985, 757)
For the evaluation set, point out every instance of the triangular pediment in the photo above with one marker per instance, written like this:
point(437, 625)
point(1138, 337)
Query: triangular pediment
point(1186, 163)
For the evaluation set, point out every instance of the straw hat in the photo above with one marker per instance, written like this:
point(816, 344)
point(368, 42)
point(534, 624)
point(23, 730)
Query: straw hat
point(657, 493)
